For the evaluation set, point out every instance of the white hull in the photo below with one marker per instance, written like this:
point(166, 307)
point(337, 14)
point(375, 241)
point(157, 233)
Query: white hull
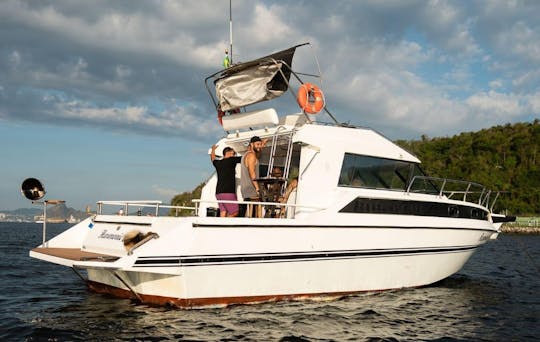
point(215, 261)
point(212, 285)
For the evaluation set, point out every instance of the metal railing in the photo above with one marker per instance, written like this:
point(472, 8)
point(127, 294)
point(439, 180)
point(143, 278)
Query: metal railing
point(126, 205)
point(472, 192)
point(157, 205)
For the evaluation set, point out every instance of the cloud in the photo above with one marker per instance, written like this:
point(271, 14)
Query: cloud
point(496, 106)
point(102, 67)
point(496, 84)
point(175, 120)
point(416, 67)
point(164, 192)
point(521, 40)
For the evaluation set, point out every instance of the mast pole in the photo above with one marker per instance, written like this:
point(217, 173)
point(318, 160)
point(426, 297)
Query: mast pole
point(230, 31)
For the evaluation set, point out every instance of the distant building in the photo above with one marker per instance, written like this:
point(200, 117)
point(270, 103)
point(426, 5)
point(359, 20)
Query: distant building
point(2, 216)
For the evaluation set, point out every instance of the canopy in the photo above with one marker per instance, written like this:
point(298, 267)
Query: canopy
point(255, 81)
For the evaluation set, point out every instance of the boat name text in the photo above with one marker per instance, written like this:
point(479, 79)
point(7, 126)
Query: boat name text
point(105, 235)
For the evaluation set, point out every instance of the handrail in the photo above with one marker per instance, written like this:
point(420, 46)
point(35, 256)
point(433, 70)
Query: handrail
point(494, 200)
point(483, 198)
point(142, 242)
point(157, 204)
point(484, 194)
point(145, 204)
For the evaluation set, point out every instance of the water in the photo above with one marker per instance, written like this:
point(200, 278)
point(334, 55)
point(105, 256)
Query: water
point(494, 298)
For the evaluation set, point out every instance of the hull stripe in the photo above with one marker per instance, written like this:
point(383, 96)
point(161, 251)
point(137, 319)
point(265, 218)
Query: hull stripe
point(206, 260)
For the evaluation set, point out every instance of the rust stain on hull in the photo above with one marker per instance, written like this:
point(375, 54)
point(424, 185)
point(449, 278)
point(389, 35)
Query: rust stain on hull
point(187, 303)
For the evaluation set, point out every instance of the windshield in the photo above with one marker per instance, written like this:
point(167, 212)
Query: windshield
point(381, 173)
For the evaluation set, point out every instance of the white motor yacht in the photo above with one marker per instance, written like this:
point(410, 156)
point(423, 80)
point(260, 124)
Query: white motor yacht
point(363, 216)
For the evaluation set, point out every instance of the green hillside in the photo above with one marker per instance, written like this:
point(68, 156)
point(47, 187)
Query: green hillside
point(184, 200)
point(505, 158)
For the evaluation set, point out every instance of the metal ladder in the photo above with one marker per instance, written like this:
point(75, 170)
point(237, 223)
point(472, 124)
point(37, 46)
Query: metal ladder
point(281, 139)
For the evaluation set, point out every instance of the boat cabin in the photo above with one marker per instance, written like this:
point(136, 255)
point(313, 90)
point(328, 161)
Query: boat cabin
point(326, 161)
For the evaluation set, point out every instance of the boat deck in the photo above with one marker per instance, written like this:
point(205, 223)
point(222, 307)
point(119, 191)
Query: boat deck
point(75, 254)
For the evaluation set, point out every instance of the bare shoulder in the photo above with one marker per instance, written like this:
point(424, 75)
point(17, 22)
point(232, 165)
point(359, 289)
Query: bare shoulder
point(250, 157)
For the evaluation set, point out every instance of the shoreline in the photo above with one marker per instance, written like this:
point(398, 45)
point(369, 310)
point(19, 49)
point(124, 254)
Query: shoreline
point(507, 229)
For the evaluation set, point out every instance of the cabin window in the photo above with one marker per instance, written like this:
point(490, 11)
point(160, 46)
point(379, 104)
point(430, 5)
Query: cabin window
point(379, 173)
point(422, 184)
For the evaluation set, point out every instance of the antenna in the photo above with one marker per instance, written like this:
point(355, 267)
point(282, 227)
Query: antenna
point(230, 31)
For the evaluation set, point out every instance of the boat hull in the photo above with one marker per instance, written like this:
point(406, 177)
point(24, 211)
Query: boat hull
point(212, 261)
point(209, 261)
point(252, 283)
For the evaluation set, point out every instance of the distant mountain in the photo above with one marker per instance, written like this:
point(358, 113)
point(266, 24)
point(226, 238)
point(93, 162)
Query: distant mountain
point(54, 212)
point(62, 211)
point(25, 211)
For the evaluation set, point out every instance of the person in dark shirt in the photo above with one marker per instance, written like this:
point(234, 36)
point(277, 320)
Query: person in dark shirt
point(226, 184)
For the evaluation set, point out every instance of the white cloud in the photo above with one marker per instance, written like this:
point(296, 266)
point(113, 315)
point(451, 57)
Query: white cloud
point(534, 104)
point(123, 71)
point(164, 193)
point(15, 59)
point(494, 104)
point(463, 41)
point(529, 79)
point(448, 25)
point(175, 119)
point(521, 40)
point(113, 65)
point(495, 84)
point(129, 32)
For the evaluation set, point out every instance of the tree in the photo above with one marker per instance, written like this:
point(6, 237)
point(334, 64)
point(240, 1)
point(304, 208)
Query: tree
point(185, 200)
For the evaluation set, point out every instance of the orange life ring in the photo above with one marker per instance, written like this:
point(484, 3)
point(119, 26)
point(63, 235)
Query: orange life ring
point(310, 98)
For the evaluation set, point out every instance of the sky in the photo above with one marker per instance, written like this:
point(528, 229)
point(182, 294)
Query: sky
point(105, 100)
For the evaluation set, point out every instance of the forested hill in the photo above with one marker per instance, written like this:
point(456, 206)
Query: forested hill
point(501, 158)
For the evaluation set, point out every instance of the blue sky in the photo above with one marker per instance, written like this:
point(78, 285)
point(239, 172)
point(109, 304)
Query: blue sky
point(105, 100)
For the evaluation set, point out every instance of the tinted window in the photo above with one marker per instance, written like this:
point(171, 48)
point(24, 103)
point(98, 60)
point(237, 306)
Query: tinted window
point(373, 172)
point(421, 184)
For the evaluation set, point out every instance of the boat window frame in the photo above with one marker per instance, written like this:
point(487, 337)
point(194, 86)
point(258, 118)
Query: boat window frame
point(371, 179)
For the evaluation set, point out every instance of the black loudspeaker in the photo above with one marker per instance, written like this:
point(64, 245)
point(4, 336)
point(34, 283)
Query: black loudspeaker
point(32, 189)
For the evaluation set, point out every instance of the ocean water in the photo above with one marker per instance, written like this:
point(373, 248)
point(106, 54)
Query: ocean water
point(495, 297)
